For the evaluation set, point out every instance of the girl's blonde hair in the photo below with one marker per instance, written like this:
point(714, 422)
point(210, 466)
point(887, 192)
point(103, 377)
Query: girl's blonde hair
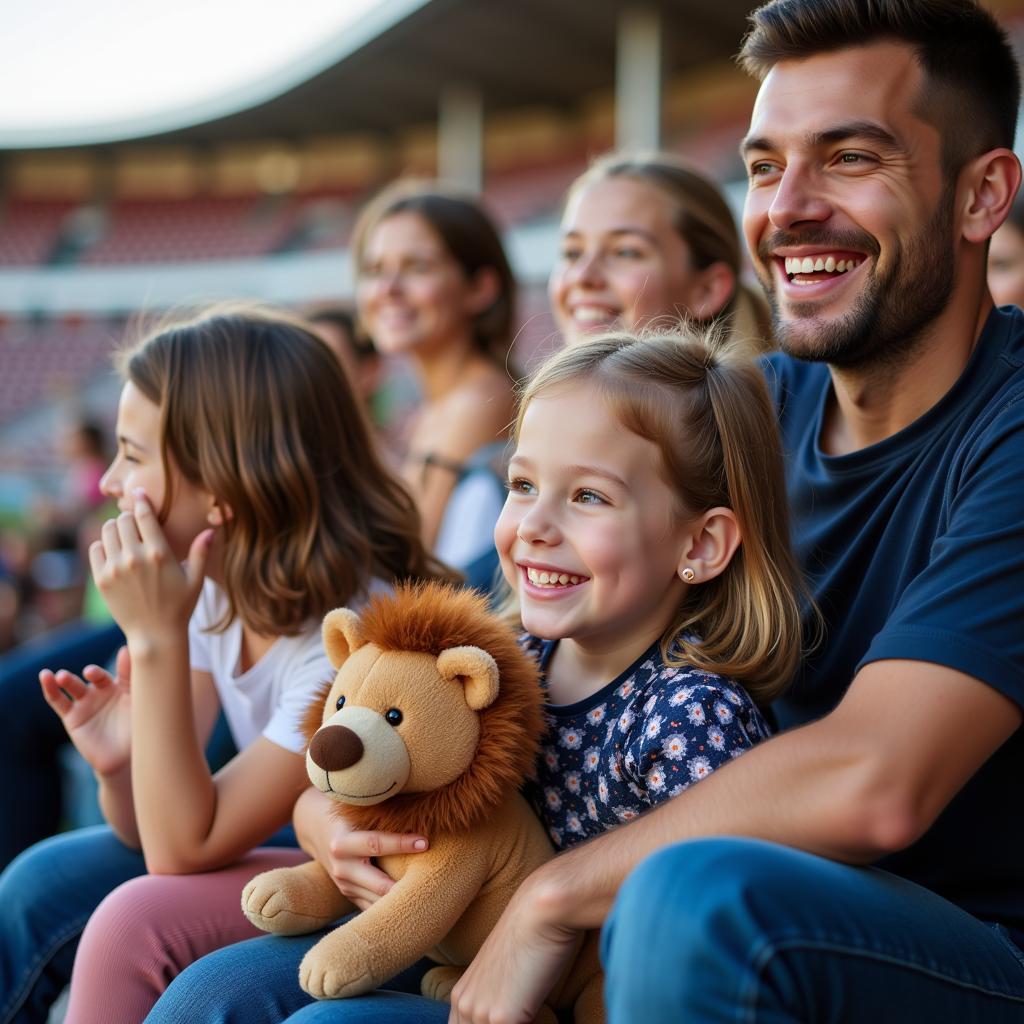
point(256, 409)
point(705, 224)
point(707, 409)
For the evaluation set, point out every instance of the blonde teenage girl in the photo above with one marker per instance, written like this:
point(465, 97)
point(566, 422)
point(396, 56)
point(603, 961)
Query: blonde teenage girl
point(251, 502)
point(645, 537)
point(647, 240)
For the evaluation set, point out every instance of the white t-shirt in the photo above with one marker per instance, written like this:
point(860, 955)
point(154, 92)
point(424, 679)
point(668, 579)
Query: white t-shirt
point(272, 696)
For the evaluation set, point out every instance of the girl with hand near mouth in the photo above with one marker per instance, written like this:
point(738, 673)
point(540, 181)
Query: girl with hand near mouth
point(252, 502)
point(645, 238)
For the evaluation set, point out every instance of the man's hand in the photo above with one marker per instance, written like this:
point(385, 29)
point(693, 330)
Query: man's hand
point(519, 962)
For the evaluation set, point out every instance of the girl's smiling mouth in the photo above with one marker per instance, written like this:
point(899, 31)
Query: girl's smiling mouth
point(549, 578)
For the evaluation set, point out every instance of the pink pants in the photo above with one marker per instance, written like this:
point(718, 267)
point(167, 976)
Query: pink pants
point(150, 929)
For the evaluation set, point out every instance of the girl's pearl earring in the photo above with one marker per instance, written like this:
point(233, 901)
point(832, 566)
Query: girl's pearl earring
point(687, 575)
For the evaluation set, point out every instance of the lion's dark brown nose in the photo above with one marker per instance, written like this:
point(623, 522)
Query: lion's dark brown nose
point(335, 747)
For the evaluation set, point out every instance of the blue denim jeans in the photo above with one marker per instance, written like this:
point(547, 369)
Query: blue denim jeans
point(257, 982)
point(31, 810)
point(742, 930)
point(48, 893)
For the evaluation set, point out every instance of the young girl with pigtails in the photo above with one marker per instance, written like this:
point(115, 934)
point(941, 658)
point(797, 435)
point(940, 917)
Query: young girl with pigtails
point(252, 501)
point(645, 539)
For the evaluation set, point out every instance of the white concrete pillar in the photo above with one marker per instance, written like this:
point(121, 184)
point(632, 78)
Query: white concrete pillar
point(638, 79)
point(460, 137)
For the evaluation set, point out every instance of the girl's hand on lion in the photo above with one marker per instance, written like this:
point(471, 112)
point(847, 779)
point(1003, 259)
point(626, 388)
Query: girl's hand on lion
point(350, 862)
point(345, 854)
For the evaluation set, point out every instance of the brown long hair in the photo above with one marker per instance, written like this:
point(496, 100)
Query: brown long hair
point(257, 410)
point(706, 407)
point(705, 224)
point(472, 240)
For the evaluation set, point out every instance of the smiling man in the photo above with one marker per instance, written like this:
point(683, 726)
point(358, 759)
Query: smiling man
point(868, 863)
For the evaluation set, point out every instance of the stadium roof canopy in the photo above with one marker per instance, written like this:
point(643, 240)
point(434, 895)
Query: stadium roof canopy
point(389, 67)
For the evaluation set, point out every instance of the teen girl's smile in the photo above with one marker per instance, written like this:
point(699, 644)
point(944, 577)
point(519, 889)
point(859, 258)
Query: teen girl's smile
point(622, 262)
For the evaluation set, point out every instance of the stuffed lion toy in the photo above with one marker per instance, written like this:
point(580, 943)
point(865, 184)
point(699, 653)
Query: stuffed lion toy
point(430, 726)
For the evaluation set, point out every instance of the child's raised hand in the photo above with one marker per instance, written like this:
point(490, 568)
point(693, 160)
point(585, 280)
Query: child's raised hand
point(146, 590)
point(97, 713)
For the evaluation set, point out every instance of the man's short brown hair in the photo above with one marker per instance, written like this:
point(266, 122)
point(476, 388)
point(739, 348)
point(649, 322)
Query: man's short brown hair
point(972, 89)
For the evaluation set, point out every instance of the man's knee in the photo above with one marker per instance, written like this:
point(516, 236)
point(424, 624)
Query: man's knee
point(693, 896)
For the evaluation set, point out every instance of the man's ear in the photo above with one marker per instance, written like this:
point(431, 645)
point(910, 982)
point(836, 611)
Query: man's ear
point(991, 181)
point(341, 635)
point(477, 671)
point(711, 290)
point(712, 542)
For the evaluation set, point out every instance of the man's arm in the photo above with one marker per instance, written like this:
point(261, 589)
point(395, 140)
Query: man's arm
point(866, 780)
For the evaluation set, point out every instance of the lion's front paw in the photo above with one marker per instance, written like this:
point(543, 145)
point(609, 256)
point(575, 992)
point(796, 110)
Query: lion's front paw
point(292, 901)
point(338, 966)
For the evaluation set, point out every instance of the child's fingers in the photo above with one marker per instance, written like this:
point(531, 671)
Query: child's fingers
point(110, 540)
point(71, 684)
point(375, 844)
point(53, 694)
point(146, 521)
point(123, 665)
point(99, 677)
point(97, 559)
point(128, 533)
point(361, 881)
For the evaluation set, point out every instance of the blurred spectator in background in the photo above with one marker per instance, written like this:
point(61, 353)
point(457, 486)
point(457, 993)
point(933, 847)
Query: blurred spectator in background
point(57, 617)
point(433, 283)
point(356, 350)
point(1006, 259)
point(645, 238)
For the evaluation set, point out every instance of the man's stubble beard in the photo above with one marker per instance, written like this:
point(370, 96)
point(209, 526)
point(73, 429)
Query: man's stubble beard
point(892, 312)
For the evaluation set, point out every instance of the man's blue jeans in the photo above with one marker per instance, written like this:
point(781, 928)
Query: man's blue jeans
point(742, 930)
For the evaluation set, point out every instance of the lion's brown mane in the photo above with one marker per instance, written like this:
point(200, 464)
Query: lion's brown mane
point(433, 617)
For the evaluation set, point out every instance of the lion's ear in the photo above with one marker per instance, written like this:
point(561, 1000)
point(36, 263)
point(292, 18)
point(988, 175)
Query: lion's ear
point(341, 635)
point(477, 670)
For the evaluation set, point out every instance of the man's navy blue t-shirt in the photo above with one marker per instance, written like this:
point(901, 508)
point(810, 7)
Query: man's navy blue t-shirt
point(915, 550)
